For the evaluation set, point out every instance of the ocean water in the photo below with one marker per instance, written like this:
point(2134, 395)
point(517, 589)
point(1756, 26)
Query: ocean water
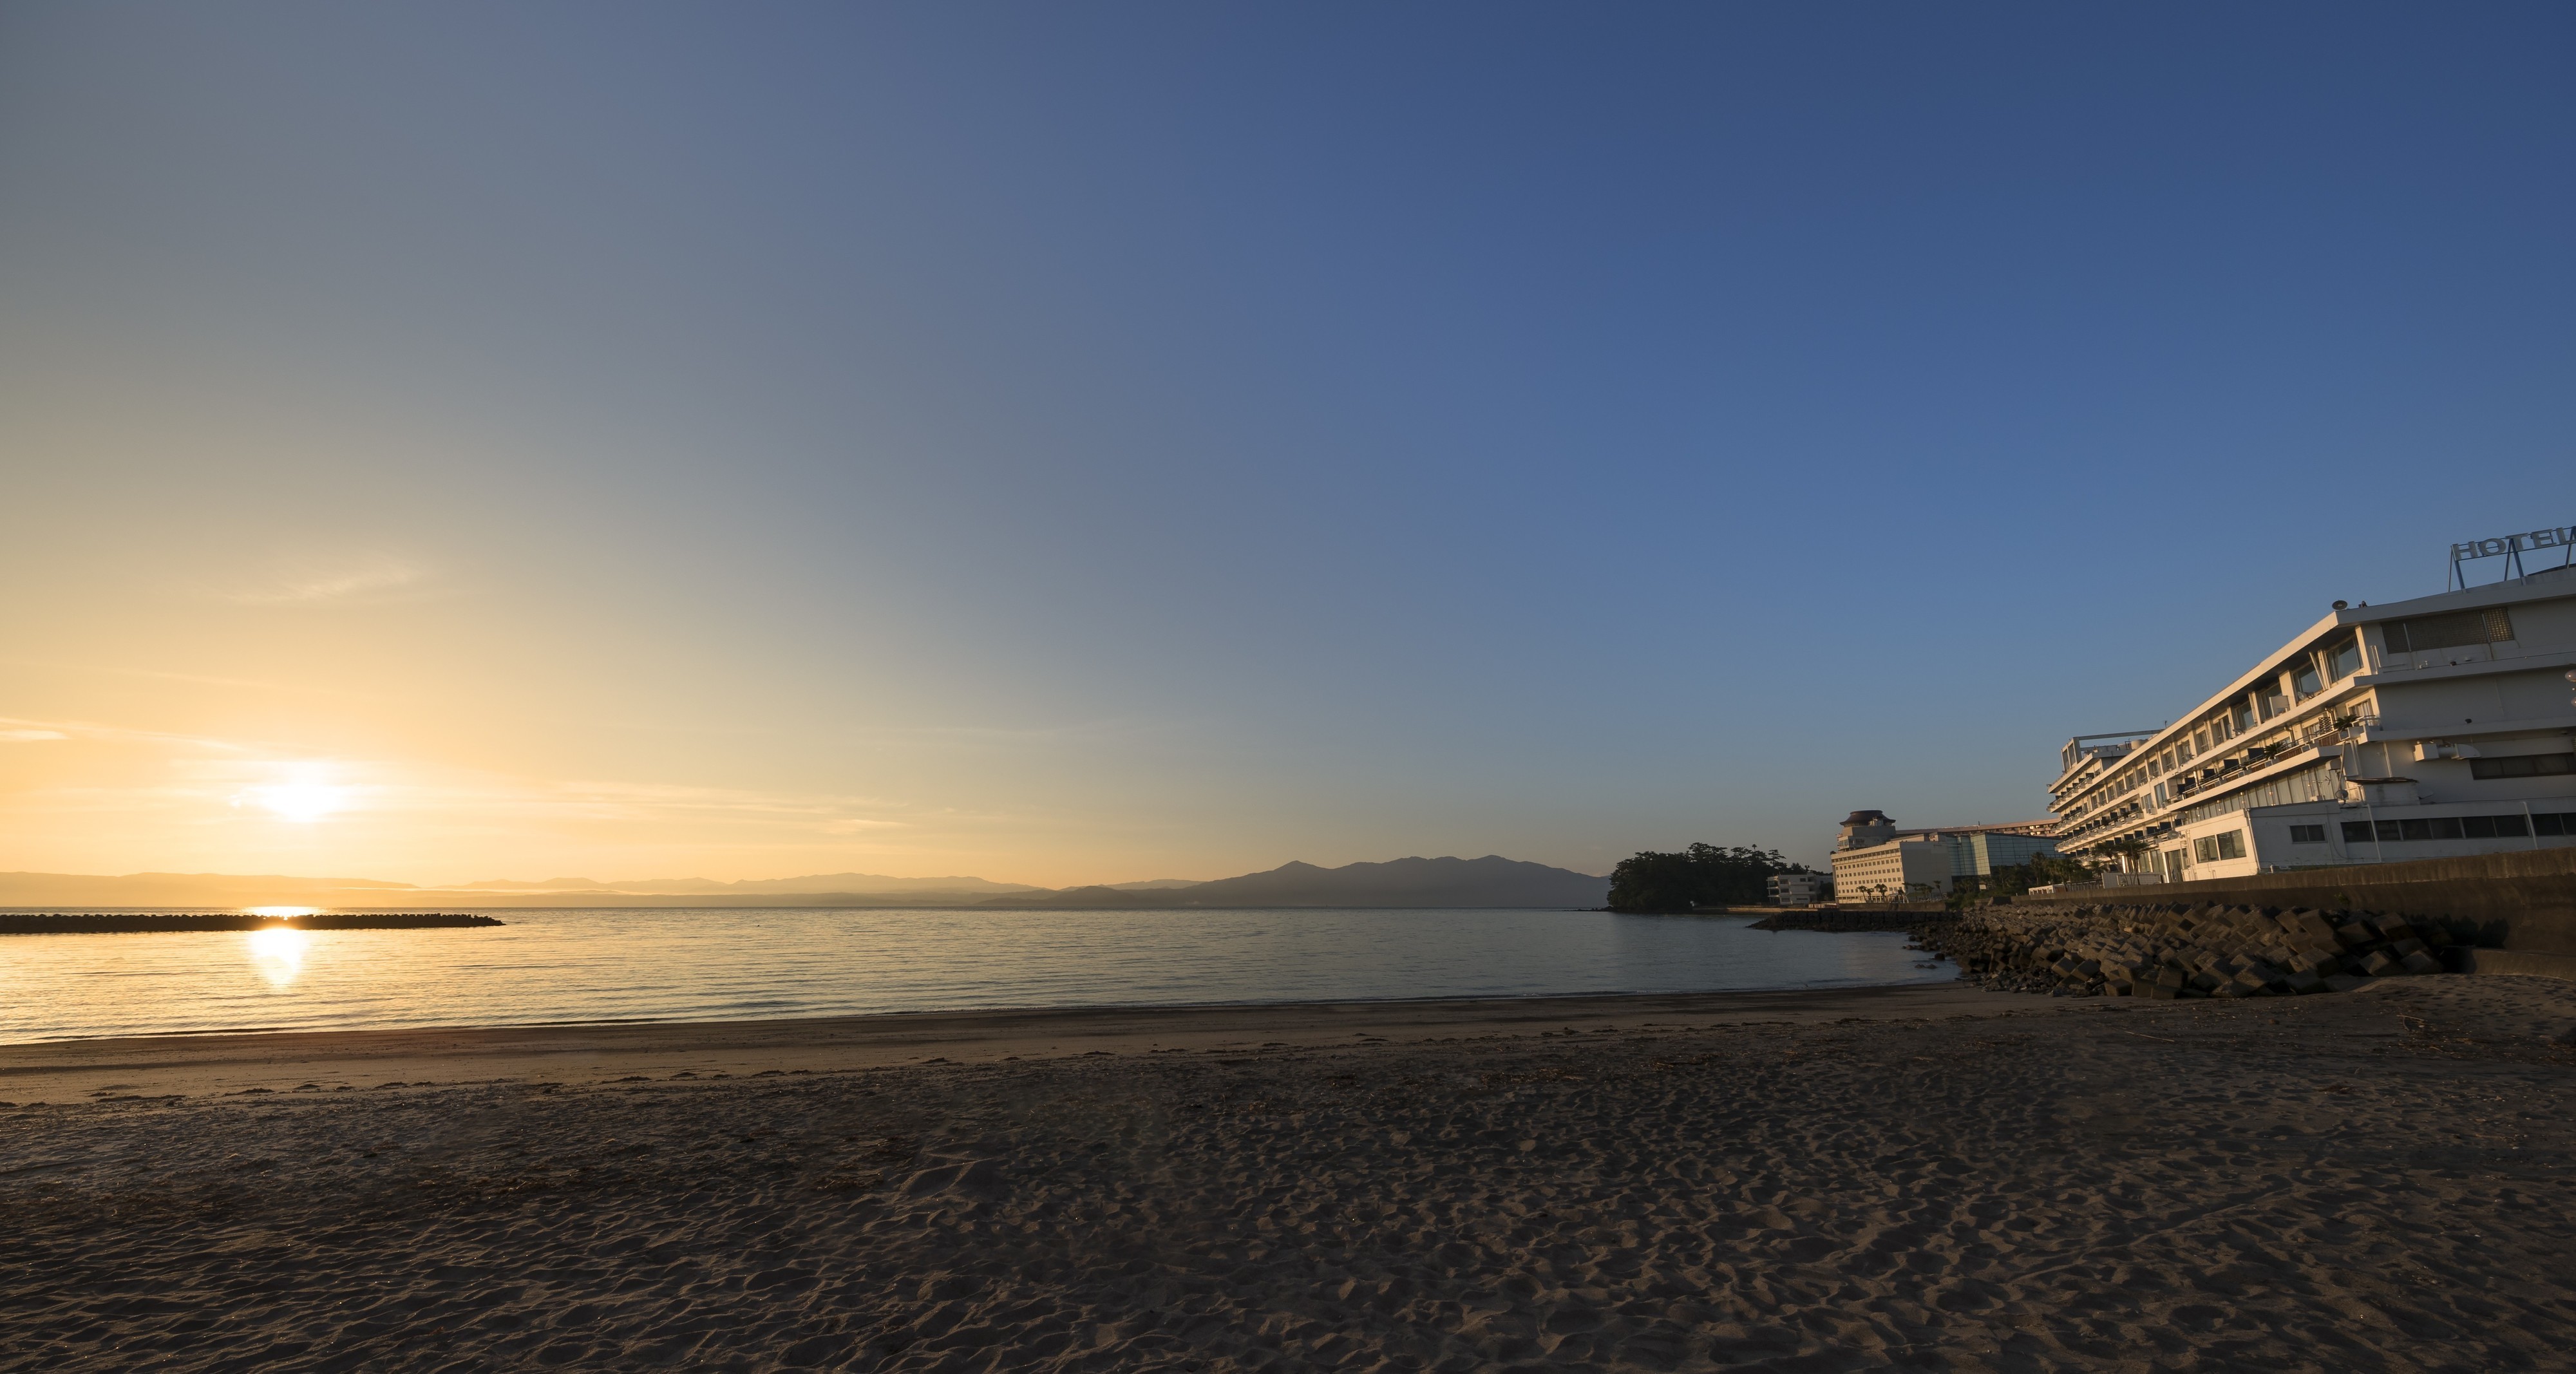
point(684, 965)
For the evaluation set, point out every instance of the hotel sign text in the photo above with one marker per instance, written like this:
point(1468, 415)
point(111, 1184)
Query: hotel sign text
point(2514, 543)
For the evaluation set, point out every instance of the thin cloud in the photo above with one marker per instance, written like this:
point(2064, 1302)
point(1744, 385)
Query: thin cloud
point(19, 731)
point(244, 791)
point(315, 581)
point(1001, 736)
point(220, 769)
point(297, 686)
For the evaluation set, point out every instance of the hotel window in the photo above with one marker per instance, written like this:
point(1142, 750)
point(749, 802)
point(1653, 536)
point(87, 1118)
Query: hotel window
point(2457, 630)
point(2200, 741)
point(2356, 832)
point(2303, 681)
point(2212, 848)
point(2523, 766)
point(2553, 823)
point(2493, 827)
point(2307, 834)
point(2434, 828)
point(2344, 659)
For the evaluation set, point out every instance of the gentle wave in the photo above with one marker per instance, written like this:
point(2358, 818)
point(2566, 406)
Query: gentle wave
point(700, 965)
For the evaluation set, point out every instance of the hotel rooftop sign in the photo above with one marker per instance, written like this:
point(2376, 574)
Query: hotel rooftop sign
point(2511, 548)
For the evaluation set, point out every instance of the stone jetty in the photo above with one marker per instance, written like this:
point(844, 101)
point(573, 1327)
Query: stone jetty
point(2184, 951)
point(137, 923)
point(1850, 920)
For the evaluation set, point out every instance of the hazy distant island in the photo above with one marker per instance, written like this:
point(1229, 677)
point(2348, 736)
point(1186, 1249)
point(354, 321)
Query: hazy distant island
point(1491, 881)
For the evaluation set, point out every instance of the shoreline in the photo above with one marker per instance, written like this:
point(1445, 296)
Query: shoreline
point(214, 1062)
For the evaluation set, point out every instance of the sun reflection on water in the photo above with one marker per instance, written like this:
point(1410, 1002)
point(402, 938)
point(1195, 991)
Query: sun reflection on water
point(674, 965)
point(278, 953)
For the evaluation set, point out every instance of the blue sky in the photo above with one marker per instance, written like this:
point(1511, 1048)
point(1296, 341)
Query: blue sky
point(1071, 444)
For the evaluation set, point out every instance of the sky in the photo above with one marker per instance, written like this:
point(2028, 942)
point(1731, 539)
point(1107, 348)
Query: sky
point(1069, 444)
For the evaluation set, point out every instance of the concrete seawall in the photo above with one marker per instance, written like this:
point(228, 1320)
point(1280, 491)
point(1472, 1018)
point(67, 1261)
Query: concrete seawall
point(2523, 902)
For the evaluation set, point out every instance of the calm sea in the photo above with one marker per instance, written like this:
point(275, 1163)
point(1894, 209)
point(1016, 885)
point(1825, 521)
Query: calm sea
point(667, 965)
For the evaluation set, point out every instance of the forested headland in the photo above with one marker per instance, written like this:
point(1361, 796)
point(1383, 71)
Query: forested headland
point(1700, 878)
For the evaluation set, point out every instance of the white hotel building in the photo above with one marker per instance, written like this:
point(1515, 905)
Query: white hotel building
point(2421, 729)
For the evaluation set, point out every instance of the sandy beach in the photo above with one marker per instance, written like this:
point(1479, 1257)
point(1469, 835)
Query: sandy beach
point(1931, 1177)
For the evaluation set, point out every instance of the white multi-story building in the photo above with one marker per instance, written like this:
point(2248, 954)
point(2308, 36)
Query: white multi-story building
point(1875, 861)
point(2419, 729)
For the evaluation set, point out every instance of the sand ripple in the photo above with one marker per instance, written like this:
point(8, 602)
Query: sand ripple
point(2368, 1182)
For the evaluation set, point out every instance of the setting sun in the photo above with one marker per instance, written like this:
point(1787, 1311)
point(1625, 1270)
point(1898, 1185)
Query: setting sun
point(304, 796)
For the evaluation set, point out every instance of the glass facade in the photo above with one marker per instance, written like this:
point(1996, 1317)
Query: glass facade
point(2457, 630)
point(2449, 828)
point(2317, 782)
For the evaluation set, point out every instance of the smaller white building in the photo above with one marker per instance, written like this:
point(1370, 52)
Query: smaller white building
point(1799, 889)
point(1876, 862)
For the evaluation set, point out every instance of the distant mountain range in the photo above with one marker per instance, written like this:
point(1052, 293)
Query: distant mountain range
point(1491, 881)
point(818, 883)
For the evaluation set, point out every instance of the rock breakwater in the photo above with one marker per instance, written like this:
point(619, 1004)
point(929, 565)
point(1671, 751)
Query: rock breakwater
point(137, 923)
point(2172, 951)
point(1852, 920)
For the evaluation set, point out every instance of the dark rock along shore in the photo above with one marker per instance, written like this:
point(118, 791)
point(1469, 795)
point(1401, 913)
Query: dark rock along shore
point(2173, 951)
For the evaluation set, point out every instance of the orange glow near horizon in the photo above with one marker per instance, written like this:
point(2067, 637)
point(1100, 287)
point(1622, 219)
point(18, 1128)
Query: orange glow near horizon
point(188, 790)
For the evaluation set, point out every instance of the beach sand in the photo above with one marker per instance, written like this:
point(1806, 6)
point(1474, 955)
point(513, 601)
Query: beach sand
point(1931, 1177)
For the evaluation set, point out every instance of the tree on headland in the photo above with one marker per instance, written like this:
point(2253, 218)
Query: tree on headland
point(1701, 876)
